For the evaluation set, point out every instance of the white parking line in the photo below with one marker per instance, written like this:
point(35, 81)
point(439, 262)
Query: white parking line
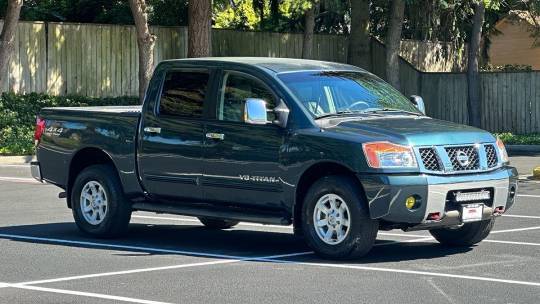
point(522, 216)
point(515, 230)
point(139, 270)
point(15, 166)
point(135, 248)
point(391, 242)
point(528, 195)
point(85, 294)
point(19, 179)
point(512, 243)
point(413, 272)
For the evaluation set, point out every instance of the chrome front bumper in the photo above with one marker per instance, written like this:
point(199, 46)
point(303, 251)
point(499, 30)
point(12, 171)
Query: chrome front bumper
point(386, 195)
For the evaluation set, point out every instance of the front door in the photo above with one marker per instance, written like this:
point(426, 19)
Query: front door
point(170, 154)
point(242, 161)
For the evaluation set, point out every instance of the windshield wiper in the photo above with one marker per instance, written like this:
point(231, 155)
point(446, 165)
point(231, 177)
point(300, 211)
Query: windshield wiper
point(390, 110)
point(336, 114)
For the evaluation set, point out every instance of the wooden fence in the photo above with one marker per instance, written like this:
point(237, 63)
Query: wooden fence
point(101, 60)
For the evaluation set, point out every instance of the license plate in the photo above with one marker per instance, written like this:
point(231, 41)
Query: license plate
point(472, 212)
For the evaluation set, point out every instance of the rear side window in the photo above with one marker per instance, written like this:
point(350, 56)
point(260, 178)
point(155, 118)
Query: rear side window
point(184, 93)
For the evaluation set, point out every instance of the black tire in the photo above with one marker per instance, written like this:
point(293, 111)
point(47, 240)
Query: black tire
point(118, 211)
point(362, 231)
point(466, 235)
point(213, 223)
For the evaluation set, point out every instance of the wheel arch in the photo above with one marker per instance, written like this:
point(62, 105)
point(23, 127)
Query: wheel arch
point(82, 159)
point(314, 173)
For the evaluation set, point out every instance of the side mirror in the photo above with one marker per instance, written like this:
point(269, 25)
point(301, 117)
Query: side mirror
point(418, 102)
point(282, 114)
point(255, 111)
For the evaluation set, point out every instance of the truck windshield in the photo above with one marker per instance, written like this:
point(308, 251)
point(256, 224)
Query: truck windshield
point(328, 93)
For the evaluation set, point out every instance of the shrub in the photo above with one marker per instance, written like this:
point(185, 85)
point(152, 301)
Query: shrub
point(520, 139)
point(18, 116)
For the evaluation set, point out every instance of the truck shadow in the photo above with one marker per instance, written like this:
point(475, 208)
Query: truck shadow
point(195, 240)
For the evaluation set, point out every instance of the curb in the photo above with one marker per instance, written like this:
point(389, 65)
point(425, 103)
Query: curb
point(16, 160)
point(523, 148)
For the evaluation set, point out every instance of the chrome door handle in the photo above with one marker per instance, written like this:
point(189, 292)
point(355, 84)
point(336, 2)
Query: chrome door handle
point(152, 130)
point(219, 136)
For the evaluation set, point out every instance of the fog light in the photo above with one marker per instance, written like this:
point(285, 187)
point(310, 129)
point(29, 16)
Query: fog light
point(410, 202)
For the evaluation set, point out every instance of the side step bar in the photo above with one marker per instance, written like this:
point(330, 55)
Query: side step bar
point(238, 214)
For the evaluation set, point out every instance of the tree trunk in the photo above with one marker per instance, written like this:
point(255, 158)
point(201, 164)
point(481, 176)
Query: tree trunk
point(393, 41)
point(145, 42)
point(473, 76)
point(7, 37)
point(199, 28)
point(359, 40)
point(309, 27)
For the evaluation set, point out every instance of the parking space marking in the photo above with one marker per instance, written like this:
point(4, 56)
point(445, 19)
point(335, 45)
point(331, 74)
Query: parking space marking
point(528, 195)
point(522, 216)
point(85, 294)
point(516, 230)
point(384, 243)
point(511, 242)
point(412, 272)
point(131, 271)
point(19, 180)
point(137, 248)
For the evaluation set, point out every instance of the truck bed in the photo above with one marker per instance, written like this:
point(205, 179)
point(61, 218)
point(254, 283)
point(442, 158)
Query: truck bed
point(73, 132)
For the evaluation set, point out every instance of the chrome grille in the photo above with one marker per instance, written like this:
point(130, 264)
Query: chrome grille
point(491, 156)
point(471, 152)
point(430, 159)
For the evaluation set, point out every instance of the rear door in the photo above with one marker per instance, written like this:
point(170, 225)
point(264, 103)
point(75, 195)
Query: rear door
point(170, 152)
point(242, 161)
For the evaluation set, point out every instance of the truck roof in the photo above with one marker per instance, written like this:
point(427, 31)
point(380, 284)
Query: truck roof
point(277, 65)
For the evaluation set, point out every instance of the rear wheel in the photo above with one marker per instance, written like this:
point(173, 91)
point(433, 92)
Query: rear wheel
point(217, 223)
point(98, 203)
point(464, 235)
point(335, 219)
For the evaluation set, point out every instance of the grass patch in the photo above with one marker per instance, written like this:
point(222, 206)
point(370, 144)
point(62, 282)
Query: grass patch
point(18, 116)
point(520, 139)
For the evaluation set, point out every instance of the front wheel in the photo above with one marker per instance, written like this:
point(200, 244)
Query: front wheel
point(98, 203)
point(335, 219)
point(465, 235)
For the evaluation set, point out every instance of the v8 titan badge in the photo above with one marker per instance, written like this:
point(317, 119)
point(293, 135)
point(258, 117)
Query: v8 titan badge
point(472, 212)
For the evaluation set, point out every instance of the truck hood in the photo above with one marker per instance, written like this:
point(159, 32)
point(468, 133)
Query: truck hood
point(416, 131)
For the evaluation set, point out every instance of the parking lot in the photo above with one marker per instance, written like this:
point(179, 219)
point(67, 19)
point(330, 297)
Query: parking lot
point(173, 259)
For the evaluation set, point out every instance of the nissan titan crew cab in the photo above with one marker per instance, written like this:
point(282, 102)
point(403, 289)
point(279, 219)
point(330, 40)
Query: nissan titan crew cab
point(327, 147)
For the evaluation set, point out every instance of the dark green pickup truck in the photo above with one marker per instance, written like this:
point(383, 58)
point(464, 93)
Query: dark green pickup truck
point(327, 147)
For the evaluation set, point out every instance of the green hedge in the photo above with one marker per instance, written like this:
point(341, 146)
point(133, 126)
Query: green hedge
point(18, 116)
point(520, 139)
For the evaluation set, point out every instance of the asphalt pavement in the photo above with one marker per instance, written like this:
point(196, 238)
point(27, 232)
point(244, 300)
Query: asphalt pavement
point(174, 259)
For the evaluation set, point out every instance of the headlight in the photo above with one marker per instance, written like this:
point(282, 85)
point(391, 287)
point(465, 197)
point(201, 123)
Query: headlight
point(502, 151)
point(389, 155)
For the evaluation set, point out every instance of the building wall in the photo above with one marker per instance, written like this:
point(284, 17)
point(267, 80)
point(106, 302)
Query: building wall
point(514, 45)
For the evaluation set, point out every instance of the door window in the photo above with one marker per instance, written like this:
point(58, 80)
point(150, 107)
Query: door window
point(184, 93)
point(236, 89)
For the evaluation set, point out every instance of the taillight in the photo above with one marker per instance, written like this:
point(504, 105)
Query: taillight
point(40, 128)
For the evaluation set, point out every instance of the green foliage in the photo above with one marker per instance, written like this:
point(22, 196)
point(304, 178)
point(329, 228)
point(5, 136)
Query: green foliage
point(506, 68)
point(518, 139)
point(280, 16)
point(18, 116)
point(168, 12)
point(161, 12)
